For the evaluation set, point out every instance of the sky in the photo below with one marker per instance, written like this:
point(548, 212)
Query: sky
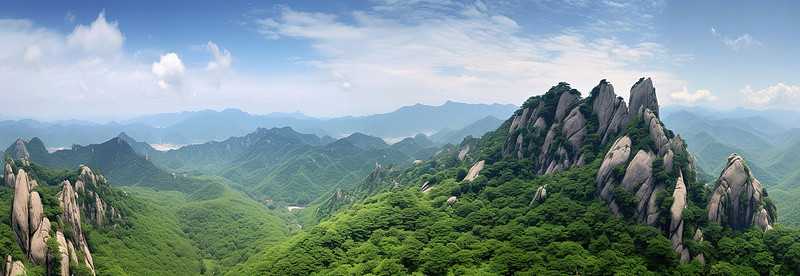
point(93, 59)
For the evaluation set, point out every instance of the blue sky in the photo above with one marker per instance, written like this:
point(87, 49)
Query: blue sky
point(79, 59)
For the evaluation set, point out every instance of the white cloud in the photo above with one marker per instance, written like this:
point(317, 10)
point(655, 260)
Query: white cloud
point(780, 95)
point(169, 71)
point(417, 57)
point(220, 66)
point(699, 96)
point(743, 41)
point(99, 38)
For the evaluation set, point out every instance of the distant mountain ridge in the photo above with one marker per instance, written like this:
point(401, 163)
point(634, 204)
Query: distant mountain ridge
point(191, 127)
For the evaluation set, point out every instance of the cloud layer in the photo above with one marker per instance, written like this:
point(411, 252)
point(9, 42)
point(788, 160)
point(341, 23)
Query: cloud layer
point(464, 50)
point(700, 96)
point(779, 95)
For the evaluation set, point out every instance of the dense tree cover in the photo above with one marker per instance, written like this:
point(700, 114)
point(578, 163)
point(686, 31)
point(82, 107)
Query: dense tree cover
point(494, 230)
point(185, 226)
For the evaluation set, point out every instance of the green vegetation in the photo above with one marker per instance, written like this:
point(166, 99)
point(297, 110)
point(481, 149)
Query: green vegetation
point(180, 225)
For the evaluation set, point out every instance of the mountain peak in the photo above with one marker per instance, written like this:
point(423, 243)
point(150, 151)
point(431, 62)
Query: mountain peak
point(643, 96)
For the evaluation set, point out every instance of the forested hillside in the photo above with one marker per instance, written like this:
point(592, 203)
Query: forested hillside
point(173, 224)
point(282, 165)
point(626, 201)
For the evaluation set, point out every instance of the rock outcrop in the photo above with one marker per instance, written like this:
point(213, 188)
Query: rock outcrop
point(643, 97)
point(676, 222)
point(14, 268)
point(698, 238)
point(35, 211)
point(474, 170)
point(617, 155)
point(18, 150)
point(452, 200)
point(19, 212)
point(9, 177)
point(63, 248)
point(740, 198)
point(38, 252)
point(612, 113)
point(541, 194)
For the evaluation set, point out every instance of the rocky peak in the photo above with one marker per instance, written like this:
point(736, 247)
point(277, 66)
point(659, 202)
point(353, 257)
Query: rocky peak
point(612, 113)
point(18, 150)
point(643, 96)
point(740, 198)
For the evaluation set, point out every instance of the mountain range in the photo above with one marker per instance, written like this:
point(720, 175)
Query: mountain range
point(202, 126)
point(567, 184)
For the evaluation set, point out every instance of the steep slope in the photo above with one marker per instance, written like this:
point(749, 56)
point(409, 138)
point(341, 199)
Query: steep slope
point(533, 203)
point(173, 224)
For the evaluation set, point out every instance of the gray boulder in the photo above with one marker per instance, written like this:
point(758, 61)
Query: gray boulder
point(643, 96)
point(14, 268)
point(38, 253)
point(63, 248)
point(452, 200)
point(8, 175)
point(19, 211)
point(675, 230)
point(35, 211)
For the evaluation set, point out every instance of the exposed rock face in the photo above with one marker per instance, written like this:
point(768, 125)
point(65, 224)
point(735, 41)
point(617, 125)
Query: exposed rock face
point(63, 248)
point(8, 175)
point(639, 178)
point(612, 114)
point(741, 197)
point(14, 268)
point(657, 132)
point(35, 211)
point(617, 155)
point(533, 131)
point(698, 237)
point(564, 102)
point(19, 211)
point(68, 200)
point(473, 172)
point(541, 194)
point(676, 223)
point(452, 200)
point(575, 128)
point(38, 252)
point(643, 96)
point(18, 150)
